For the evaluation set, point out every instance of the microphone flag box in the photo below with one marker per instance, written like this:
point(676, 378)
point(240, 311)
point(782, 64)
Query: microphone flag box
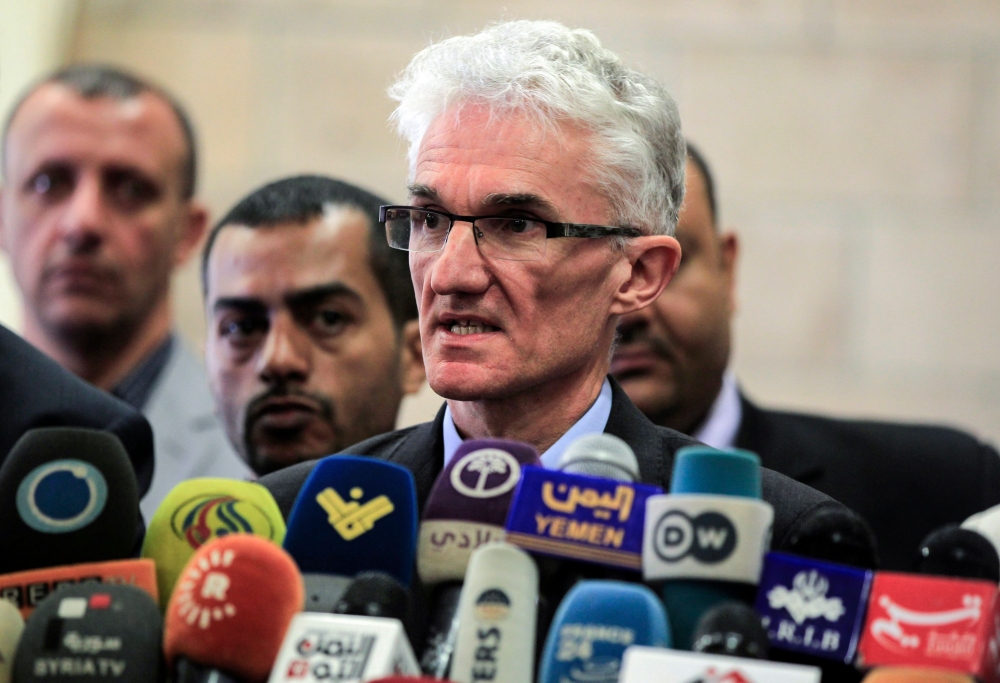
point(343, 648)
point(932, 621)
point(660, 665)
point(28, 588)
point(580, 517)
point(813, 607)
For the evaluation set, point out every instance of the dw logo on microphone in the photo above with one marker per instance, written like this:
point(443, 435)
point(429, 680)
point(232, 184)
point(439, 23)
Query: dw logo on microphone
point(709, 537)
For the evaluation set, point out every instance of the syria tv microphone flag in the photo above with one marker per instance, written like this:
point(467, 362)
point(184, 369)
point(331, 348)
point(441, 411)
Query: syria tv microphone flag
point(92, 632)
point(704, 542)
point(199, 510)
point(595, 623)
point(11, 627)
point(230, 609)
point(497, 614)
point(355, 514)
point(67, 495)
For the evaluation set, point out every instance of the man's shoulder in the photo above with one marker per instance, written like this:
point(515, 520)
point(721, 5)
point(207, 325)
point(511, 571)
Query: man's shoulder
point(285, 484)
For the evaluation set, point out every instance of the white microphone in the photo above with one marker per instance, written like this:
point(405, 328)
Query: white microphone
point(343, 648)
point(11, 627)
point(986, 523)
point(660, 665)
point(497, 613)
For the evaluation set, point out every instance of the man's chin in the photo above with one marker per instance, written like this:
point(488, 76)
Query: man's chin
point(470, 385)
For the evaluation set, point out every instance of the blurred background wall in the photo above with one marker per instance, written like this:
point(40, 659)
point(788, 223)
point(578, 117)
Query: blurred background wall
point(856, 145)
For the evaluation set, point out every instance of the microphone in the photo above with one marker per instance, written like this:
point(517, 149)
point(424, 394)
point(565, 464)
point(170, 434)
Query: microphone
point(704, 542)
point(496, 617)
point(594, 625)
point(959, 553)
point(466, 509)
point(646, 664)
point(67, 495)
point(339, 647)
point(92, 632)
point(894, 674)
point(355, 514)
point(11, 627)
point(230, 610)
point(600, 455)
point(987, 523)
point(835, 535)
point(199, 510)
point(26, 590)
point(936, 621)
point(376, 594)
point(732, 629)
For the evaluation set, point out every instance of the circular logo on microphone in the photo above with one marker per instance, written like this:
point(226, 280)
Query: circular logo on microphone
point(61, 496)
point(709, 538)
point(492, 605)
point(486, 473)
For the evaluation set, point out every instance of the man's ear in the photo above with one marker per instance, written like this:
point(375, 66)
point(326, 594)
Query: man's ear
point(653, 260)
point(195, 222)
point(411, 359)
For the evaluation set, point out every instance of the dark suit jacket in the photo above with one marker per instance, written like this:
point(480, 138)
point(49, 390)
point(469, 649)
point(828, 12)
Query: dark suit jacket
point(906, 480)
point(421, 449)
point(35, 391)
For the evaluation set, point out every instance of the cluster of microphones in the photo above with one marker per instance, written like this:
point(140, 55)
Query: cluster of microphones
point(513, 574)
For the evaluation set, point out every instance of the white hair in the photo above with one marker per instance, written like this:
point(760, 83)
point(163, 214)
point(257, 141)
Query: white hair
point(552, 73)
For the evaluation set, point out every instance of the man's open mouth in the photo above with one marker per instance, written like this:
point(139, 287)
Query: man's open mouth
point(467, 326)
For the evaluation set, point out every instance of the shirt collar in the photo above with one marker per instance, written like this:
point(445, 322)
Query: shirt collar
point(720, 428)
point(593, 422)
point(138, 384)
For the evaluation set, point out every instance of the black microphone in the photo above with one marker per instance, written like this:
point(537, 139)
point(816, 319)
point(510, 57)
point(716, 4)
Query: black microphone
point(67, 496)
point(376, 594)
point(959, 553)
point(733, 629)
point(834, 535)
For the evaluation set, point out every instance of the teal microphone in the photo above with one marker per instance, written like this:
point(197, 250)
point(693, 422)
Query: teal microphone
point(704, 542)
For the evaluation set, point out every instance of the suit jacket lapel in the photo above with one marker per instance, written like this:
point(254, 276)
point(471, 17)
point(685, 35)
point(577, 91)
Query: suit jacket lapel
point(756, 434)
point(631, 426)
point(422, 452)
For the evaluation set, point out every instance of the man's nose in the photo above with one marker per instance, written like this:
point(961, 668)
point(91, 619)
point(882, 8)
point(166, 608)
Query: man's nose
point(287, 354)
point(85, 219)
point(459, 266)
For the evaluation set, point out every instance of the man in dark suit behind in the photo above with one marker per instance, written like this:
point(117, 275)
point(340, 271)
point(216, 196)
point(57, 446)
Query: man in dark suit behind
point(906, 480)
point(545, 183)
point(36, 392)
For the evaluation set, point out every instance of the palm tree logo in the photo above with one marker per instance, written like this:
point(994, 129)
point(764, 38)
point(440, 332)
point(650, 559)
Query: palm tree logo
point(486, 462)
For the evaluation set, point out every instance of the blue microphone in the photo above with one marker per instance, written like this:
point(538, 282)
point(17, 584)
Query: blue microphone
point(704, 542)
point(355, 514)
point(594, 625)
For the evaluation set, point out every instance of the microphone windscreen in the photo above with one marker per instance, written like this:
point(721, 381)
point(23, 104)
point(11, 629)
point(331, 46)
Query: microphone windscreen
point(67, 495)
point(324, 591)
point(594, 625)
point(92, 632)
point(376, 594)
point(11, 627)
point(834, 535)
point(199, 510)
point(601, 455)
point(959, 553)
point(232, 605)
point(915, 675)
point(355, 514)
point(733, 629)
point(705, 470)
point(468, 505)
point(497, 614)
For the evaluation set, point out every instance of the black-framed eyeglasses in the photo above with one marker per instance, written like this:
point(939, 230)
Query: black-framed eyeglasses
point(511, 238)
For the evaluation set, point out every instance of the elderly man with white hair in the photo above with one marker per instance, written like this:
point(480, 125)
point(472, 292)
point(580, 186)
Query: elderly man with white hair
point(545, 183)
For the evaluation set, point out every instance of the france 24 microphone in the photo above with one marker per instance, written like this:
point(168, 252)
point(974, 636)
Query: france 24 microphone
point(466, 509)
point(230, 609)
point(199, 510)
point(595, 623)
point(648, 664)
point(92, 632)
point(497, 615)
point(67, 495)
point(344, 648)
point(11, 627)
point(704, 542)
point(935, 621)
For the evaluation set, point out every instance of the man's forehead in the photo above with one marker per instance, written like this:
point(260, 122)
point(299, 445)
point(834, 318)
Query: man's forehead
point(55, 120)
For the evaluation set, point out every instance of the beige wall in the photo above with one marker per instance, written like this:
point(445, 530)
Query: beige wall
point(856, 144)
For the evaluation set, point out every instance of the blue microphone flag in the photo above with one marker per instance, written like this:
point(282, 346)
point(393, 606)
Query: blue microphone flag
point(355, 514)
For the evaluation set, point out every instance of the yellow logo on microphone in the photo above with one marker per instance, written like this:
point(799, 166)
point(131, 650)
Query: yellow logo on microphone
point(352, 519)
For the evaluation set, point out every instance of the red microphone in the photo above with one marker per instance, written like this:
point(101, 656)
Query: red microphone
point(230, 609)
